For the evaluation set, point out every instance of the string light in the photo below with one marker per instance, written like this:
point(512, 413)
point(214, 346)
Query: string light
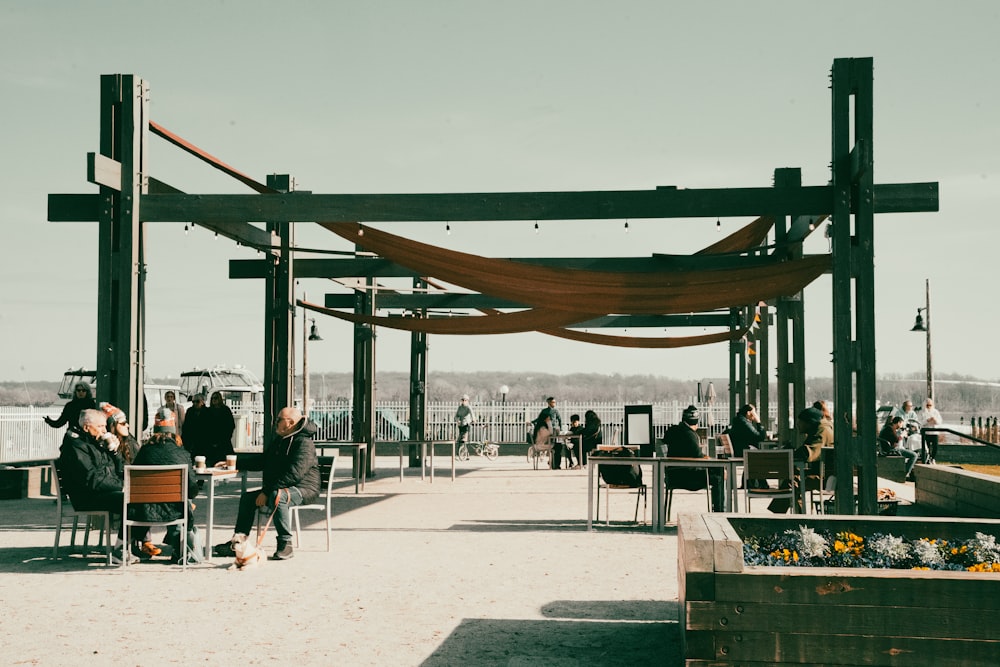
point(626, 225)
point(185, 229)
point(361, 230)
point(536, 226)
point(718, 225)
point(216, 234)
point(447, 228)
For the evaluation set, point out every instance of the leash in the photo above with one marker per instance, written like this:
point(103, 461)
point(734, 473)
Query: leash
point(277, 499)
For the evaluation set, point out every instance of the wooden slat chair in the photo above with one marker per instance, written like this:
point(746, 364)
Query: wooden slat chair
point(327, 466)
point(99, 519)
point(769, 465)
point(156, 484)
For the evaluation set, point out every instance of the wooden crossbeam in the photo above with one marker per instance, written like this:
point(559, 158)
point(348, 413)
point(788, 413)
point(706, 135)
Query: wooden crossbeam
point(505, 206)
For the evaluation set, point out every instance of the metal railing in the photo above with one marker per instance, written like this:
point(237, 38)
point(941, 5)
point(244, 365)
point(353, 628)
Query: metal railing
point(24, 436)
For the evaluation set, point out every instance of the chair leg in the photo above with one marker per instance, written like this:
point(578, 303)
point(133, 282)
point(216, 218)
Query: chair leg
point(298, 529)
point(670, 500)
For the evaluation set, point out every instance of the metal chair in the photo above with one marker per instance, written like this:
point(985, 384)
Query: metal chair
point(670, 489)
point(100, 519)
point(156, 484)
point(327, 466)
point(639, 488)
point(769, 465)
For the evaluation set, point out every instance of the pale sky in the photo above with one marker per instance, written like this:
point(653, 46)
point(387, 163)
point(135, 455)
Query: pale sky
point(470, 96)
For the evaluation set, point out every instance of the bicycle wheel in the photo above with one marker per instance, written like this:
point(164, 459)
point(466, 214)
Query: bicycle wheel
point(463, 452)
point(491, 451)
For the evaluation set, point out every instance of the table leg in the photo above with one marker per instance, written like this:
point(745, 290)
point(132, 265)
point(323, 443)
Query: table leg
point(432, 462)
point(362, 471)
point(400, 462)
point(453, 460)
point(658, 513)
point(423, 460)
point(208, 525)
point(590, 496)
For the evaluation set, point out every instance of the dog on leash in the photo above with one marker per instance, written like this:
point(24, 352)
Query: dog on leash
point(248, 554)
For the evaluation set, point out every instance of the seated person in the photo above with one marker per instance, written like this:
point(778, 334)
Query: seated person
point(810, 425)
point(541, 437)
point(682, 441)
point(746, 430)
point(92, 472)
point(574, 445)
point(592, 434)
point(291, 477)
point(889, 441)
point(164, 448)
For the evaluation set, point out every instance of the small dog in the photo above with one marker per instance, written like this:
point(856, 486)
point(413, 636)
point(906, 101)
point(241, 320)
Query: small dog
point(248, 555)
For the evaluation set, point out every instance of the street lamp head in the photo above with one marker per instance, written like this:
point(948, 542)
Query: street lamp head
point(504, 389)
point(918, 324)
point(314, 331)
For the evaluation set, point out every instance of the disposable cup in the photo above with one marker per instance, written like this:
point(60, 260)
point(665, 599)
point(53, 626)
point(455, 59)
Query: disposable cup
point(231, 461)
point(199, 463)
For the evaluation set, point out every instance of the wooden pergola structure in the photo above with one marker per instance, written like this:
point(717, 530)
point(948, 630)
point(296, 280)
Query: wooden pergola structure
point(129, 197)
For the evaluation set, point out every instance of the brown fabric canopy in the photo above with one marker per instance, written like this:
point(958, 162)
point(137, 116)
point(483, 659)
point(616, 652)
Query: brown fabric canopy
point(605, 292)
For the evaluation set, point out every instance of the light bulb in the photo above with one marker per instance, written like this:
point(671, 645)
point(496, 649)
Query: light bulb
point(536, 226)
point(626, 226)
point(447, 228)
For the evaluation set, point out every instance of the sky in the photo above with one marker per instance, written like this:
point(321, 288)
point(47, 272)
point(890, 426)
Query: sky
point(481, 96)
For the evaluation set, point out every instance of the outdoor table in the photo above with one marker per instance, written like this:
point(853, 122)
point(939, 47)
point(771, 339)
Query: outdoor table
point(212, 476)
point(423, 456)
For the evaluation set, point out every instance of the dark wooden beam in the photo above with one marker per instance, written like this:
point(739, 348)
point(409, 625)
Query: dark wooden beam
point(498, 206)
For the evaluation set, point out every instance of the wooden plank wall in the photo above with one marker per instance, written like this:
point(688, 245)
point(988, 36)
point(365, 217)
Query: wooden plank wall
point(952, 491)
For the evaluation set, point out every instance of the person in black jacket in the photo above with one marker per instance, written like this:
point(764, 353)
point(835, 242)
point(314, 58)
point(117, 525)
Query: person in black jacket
point(83, 399)
point(291, 477)
point(194, 432)
point(592, 434)
point(165, 447)
point(682, 441)
point(219, 429)
point(746, 430)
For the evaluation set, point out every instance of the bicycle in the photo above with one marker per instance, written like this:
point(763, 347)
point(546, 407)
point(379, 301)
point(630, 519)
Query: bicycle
point(490, 450)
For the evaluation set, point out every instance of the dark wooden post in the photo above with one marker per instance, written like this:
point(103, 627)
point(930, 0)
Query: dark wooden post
point(280, 310)
point(121, 268)
point(363, 424)
point(853, 284)
point(418, 384)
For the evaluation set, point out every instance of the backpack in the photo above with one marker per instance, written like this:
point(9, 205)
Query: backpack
point(619, 475)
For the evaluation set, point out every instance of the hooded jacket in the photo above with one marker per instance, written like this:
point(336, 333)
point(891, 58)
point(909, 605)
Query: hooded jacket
point(88, 471)
point(291, 461)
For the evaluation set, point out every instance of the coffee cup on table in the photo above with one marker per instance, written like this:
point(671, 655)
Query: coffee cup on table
point(199, 463)
point(231, 461)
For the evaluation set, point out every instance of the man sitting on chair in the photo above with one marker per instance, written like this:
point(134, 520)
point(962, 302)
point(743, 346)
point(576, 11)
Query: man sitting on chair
point(291, 477)
point(682, 441)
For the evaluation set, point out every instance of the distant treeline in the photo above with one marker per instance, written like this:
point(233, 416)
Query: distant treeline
point(955, 394)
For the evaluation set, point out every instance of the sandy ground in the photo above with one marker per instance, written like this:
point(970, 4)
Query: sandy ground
point(495, 568)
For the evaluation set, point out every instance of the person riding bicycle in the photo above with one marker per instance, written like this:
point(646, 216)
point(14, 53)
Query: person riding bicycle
point(464, 418)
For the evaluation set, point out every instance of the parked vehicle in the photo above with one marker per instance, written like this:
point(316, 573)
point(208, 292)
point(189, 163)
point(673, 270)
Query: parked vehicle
point(153, 392)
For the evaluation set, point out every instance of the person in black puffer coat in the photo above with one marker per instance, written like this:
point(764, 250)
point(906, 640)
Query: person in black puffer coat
point(164, 447)
point(291, 477)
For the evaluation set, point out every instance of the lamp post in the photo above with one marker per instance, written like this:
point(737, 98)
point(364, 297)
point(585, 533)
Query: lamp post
point(923, 323)
point(503, 394)
point(313, 335)
point(503, 413)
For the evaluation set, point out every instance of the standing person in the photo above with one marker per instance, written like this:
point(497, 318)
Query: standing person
point(555, 427)
point(592, 434)
point(170, 401)
point(83, 399)
point(165, 447)
point(931, 418)
point(464, 418)
point(682, 441)
point(291, 477)
point(194, 433)
point(221, 425)
point(746, 430)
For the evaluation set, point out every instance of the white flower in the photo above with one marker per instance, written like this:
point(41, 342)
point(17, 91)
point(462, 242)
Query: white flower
point(927, 553)
point(892, 547)
point(985, 548)
point(811, 544)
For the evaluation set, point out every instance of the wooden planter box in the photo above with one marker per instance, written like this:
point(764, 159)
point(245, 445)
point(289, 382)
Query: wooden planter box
point(736, 615)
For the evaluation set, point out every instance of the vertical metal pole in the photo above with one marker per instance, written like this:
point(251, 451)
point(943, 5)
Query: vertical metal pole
point(930, 365)
point(305, 362)
point(418, 384)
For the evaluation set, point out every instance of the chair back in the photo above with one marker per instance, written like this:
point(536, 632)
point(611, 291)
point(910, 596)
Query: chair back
point(327, 466)
point(727, 445)
point(768, 464)
point(155, 484)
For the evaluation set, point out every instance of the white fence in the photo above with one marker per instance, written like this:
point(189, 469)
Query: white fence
point(24, 436)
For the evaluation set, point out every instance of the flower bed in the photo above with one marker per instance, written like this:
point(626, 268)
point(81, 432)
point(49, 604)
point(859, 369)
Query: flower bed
point(740, 605)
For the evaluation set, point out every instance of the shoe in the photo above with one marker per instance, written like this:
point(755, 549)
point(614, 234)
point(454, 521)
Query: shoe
point(150, 549)
point(284, 551)
point(224, 550)
point(118, 554)
point(576, 467)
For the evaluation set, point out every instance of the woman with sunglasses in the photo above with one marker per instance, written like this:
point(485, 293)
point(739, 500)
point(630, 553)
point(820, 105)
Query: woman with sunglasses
point(83, 399)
